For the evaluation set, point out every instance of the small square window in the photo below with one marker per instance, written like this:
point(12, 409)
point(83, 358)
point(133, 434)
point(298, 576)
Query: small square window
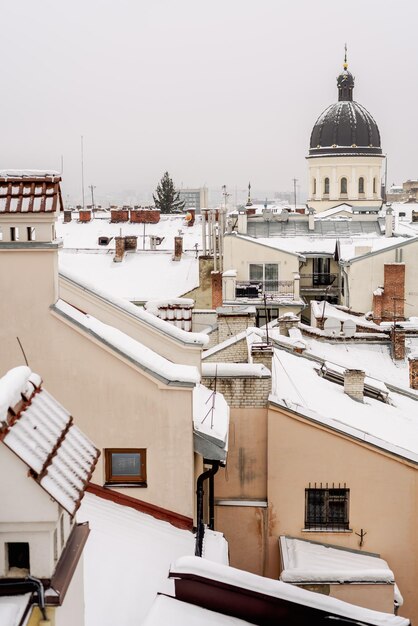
point(126, 466)
point(18, 558)
point(326, 509)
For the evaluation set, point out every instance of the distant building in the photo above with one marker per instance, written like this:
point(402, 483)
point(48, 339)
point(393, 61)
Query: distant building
point(195, 198)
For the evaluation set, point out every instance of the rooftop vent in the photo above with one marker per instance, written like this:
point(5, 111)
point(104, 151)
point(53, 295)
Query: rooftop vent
point(372, 388)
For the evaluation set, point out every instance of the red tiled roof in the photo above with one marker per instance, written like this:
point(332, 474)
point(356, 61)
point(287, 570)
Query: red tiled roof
point(30, 192)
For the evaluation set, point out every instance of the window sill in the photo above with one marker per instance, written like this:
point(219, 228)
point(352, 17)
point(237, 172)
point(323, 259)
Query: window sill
point(327, 530)
point(133, 484)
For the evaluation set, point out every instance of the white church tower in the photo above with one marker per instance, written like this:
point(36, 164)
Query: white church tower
point(345, 156)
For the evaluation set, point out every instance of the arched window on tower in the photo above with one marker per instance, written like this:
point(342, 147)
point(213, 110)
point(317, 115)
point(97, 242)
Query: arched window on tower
point(374, 185)
point(343, 186)
point(361, 185)
point(326, 186)
point(314, 187)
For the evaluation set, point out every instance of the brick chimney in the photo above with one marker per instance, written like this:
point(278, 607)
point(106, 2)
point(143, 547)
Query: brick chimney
point(398, 344)
point(286, 321)
point(67, 216)
point(119, 215)
point(178, 248)
point(84, 215)
point(217, 299)
point(131, 242)
point(262, 353)
point(119, 249)
point(354, 384)
point(413, 370)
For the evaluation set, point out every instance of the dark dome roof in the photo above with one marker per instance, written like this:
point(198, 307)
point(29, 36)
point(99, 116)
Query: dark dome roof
point(345, 127)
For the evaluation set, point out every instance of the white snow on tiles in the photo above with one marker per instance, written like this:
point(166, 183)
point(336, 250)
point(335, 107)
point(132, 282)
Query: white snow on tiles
point(297, 386)
point(44, 437)
point(277, 589)
point(166, 611)
point(145, 357)
point(126, 561)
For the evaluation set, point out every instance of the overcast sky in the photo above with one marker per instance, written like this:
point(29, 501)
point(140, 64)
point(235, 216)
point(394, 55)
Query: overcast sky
point(216, 92)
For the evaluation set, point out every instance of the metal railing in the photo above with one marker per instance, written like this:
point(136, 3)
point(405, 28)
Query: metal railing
point(318, 280)
point(259, 288)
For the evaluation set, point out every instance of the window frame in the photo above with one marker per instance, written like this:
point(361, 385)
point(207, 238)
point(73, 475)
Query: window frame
point(11, 554)
point(361, 185)
point(342, 192)
point(125, 479)
point(326, 186)
point(325, 521)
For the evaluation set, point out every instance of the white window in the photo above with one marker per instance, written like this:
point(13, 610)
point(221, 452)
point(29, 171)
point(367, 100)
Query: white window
point(265, 273)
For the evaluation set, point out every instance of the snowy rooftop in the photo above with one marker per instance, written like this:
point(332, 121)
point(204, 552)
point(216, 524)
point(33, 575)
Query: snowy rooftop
point(13, 608)
point(277, 591)
point(166, 610)
point(211, 422)
point(128, 556)
point(43, 426)
point(29, 192)
point(135, 351)
point(310, 562)
point(392, 426)
point(142, 275)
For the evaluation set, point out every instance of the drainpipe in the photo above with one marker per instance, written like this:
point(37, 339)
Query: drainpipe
point(199, 505)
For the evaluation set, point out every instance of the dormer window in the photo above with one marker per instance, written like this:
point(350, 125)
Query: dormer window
point(17, 555)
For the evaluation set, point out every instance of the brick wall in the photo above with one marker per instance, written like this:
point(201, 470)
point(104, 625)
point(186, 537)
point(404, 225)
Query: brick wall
point(119, 215)
point(236, 353)
point(242, 392)
point(398, 343)
point(389, 304)
point(263, 355)
point(231, 325)
point(178, 248)
point(145, 216)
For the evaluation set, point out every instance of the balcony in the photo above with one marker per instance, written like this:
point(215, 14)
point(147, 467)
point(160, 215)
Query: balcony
point(320, 283)
point(256, 289)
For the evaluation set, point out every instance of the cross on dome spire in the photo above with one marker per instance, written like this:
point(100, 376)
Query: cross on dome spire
point(345, 81)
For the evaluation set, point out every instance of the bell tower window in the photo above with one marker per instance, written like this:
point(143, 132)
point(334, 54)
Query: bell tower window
point(361, 185)
point(326, 186)
point(343, 186)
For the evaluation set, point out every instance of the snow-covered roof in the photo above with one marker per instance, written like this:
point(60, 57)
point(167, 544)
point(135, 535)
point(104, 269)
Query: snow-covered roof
point(13, 608)
point(210, 423)
point(128, 556)
point(203, 570)
point(10, 173)
point(178, 334)
point(142, 276)
point(311, 562)
point(142, 356)
point(166, 610)
point(42, 434)
point(325, 309)
point(235, 370)
point(390, 426)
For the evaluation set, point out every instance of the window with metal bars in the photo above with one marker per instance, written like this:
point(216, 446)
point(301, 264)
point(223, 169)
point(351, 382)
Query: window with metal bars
point(327, 508)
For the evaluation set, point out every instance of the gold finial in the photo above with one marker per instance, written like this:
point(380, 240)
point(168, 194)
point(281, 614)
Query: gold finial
point(345, 65)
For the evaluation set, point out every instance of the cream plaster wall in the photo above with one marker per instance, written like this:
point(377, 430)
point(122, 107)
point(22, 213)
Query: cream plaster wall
point(383, 495)
point(365, 275)
point(239, 253)
point(71, 612)
point(112, 401)
point(350, 167)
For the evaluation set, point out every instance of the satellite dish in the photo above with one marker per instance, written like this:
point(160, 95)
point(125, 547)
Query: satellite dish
point(332, 327)
point(349, 328)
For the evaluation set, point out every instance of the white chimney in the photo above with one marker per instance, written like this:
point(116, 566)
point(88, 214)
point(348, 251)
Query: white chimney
point(354, 384)
point(389, 221)
point(242, 222)
point(311, 219)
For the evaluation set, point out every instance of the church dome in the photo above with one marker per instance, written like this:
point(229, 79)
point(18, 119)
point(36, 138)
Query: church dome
point(345, 127)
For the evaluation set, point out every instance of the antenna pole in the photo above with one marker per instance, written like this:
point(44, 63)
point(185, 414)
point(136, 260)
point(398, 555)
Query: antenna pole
point(82, 168)
point(295, 180)
point(92, 187)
